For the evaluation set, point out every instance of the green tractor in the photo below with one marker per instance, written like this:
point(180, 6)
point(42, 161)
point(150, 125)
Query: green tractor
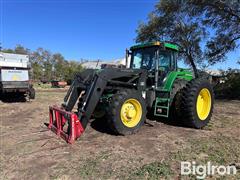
point(152, 84)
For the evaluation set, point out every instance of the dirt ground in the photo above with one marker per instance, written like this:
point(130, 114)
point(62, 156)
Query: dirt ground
point(30, 151)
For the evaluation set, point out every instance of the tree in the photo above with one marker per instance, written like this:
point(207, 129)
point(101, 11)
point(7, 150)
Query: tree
point(223, 17)
point(19, 49)
point(41, 64)
point(47, 66)
point(8, 51)
point(230, 89)
point(60, 65)
point(171, 22)
point(189, 23)
point(72, 68)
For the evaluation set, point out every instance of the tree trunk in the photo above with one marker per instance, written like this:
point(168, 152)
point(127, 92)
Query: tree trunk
point(195, 71)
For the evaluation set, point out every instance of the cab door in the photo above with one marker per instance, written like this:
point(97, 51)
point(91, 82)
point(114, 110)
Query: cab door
point(166, 64)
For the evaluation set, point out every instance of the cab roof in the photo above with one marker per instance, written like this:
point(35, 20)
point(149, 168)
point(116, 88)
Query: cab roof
point(157, 43)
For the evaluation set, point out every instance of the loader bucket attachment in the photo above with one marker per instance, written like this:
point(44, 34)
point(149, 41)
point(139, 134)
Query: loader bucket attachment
point(65, 124)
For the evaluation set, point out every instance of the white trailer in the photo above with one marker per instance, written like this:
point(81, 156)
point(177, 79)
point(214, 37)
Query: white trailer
point(14, 74)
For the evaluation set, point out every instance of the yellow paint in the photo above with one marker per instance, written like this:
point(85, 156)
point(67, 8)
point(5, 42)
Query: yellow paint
point(203, 104)
point(157, 43)
point(15, 78)
point(131, 112)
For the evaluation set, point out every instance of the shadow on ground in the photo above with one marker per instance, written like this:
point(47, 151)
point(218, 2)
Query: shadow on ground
point(101, 125)
point(12, 97)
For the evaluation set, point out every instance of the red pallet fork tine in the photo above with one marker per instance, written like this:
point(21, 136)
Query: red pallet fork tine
point(57, 120)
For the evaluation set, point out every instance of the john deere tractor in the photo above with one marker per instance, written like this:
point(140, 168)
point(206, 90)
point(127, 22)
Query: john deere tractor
point(122, 97)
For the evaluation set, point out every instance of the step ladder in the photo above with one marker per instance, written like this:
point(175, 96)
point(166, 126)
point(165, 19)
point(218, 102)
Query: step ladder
point(162, 106)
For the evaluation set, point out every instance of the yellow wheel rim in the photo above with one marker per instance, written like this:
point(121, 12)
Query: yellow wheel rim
point(131, 112)
point(203, 104)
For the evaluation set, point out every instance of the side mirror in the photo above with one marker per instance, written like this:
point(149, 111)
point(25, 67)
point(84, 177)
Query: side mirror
point(127, 55)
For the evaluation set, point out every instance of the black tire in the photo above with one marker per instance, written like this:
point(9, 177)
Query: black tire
point(189, 99)
point(31, 93)
point(176, 99)
point(100, 111)
point(114, 114)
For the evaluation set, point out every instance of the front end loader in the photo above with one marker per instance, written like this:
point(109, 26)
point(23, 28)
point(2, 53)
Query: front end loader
point(123, 97)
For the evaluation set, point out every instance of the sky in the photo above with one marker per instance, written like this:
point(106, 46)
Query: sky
point(88, 29)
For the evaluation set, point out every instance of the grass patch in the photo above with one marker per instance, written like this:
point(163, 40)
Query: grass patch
point(91, 168)
point(153, 170)
point(42, 86)
point(219, 150)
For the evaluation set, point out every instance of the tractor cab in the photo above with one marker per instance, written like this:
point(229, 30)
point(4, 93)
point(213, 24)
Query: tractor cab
point(156, 57)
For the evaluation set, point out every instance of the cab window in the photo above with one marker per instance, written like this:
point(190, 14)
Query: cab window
point(164, 61)
point(144, 58)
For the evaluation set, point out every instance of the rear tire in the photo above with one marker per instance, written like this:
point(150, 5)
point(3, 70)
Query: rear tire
point(127, 112)
point(31, 93)
point(176, 96)
point(197, 103)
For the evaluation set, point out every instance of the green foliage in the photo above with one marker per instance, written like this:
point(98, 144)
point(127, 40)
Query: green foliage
point(195, 23)
point(72, 68)
point(223, 17)
point(231, 87)
point(47, 66)
point(19, 49)
point(170, 21)
point(60, 65)
point(42, 86)
point(8, 51)
point(41, 64)
point(37, 71)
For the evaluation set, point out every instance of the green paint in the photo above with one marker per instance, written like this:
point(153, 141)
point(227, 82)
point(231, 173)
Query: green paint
point(181, 74)
point(165, 108)
point(167, 87)
point(169, 81)
point(143, 45)
point(171, 46)
point(157, 43)
point(106, 97)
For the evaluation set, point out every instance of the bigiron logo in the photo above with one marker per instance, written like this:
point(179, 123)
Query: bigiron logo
point(202, 171)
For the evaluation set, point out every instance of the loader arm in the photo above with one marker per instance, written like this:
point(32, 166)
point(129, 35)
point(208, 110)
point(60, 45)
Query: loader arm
point(93, 86)
point(89, 87)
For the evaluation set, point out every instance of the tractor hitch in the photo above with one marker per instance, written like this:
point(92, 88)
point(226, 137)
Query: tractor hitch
point(65, 124)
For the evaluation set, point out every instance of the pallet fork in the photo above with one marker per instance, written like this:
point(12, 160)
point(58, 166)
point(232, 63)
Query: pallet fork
point(58, 118)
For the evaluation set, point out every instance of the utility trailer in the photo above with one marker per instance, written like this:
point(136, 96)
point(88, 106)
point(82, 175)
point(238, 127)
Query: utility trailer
point(14, 75)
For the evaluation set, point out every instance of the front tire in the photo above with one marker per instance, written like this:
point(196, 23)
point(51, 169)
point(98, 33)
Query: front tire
point(127, 112)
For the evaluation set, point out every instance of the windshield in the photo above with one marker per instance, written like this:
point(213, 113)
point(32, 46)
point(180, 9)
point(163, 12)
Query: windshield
point(144, 58)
